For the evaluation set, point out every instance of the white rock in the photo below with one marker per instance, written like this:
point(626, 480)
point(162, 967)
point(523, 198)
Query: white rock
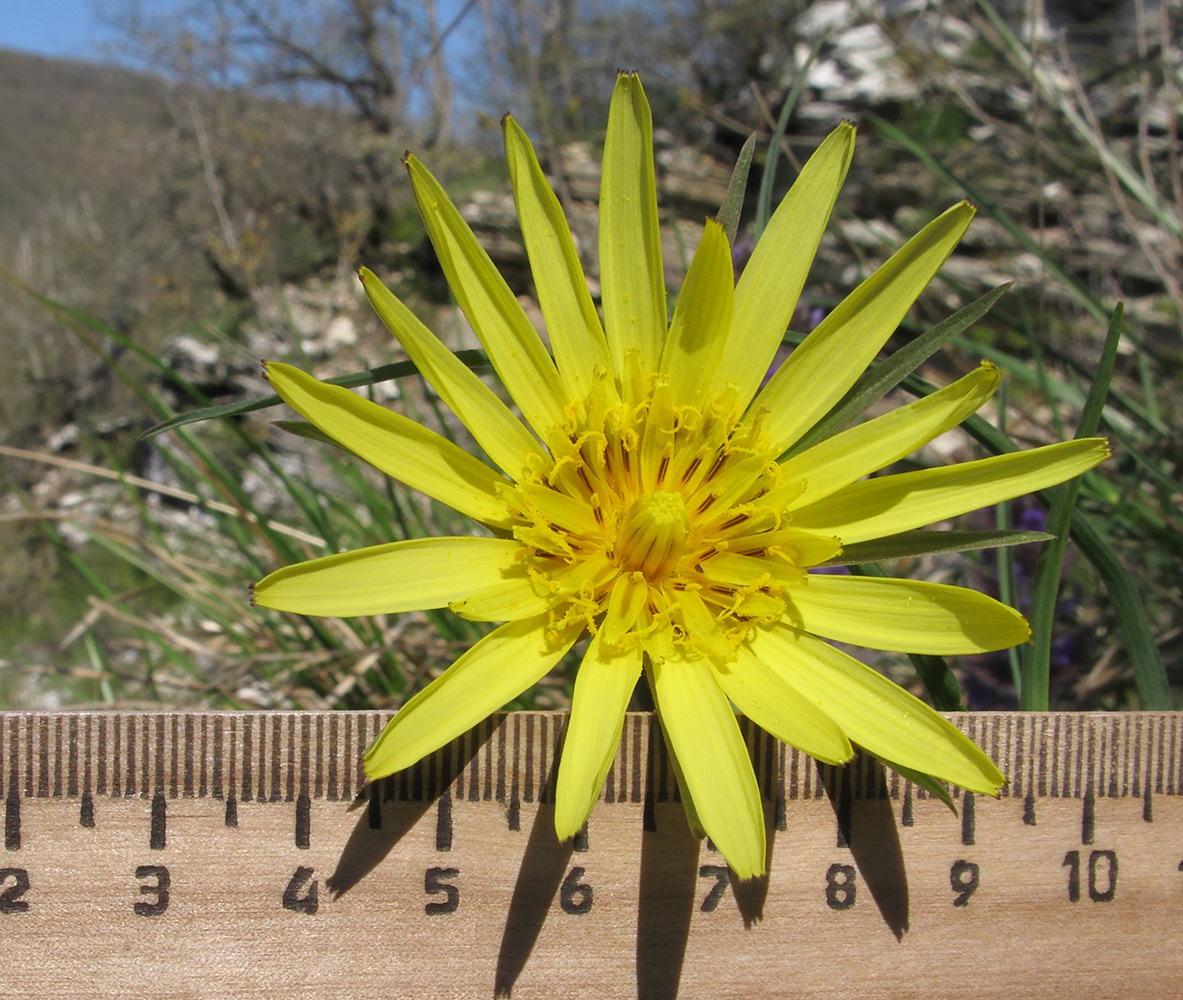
point(342, 332)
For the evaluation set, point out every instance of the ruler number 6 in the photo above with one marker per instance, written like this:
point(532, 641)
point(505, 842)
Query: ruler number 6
point(575, 896)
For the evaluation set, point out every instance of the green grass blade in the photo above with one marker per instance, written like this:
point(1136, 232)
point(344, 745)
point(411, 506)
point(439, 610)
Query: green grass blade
point(1034, 690)
point(768, 180)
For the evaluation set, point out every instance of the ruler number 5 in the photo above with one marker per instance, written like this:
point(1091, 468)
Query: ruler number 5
point(433, 884)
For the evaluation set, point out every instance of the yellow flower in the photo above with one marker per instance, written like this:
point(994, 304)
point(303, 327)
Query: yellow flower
point(645, 502)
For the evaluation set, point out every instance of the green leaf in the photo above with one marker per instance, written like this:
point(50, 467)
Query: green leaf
point(925, 542)
point(476, 360)
point(732, 207)
point(925, 781)
point(881, 378)
point(1034, 695)
point(1149, 673)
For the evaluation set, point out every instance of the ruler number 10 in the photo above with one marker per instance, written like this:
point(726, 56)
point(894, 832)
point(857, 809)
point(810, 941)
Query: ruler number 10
point(1102, 868)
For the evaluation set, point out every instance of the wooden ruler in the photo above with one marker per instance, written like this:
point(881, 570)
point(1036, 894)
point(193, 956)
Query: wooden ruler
point(241, 855)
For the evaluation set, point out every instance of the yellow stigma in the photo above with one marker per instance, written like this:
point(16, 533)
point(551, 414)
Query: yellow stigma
point(652, 534)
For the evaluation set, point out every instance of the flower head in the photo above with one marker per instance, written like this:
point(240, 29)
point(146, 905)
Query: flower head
point(644, 499)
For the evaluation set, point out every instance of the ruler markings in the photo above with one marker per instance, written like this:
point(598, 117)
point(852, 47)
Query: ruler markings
point(528, 791)
point(86, 726)
point(216, 757)
point(514, 817)
point(12, 821)
point(1132, 781)
point(276, 756)
point(1029, 809)
point(1016, 785)
point(637, 794)
point(157, 836)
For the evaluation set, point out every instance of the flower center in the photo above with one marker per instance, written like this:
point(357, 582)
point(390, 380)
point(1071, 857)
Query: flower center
point(652, 535)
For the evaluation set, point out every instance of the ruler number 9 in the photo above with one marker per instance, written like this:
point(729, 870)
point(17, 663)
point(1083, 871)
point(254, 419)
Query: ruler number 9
point(963, 879)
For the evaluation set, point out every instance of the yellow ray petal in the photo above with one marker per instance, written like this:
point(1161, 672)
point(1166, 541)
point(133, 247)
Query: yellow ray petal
point(888, 505)
point(576, 336)
point(874, 445)
point(772, 279)
point(906, 615)
point(495, 428)
point(496, 316)
point(395, 445)
point(698, 333)
point(875, 713)
point(633, 284)
point(496, 670)
point(603, 686)
point(778, 708)
point(704, 736)
point(830, 360)
point(626, 602)
point(414, 575)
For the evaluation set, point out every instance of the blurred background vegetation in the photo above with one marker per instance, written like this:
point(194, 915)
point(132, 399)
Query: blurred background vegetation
point(166, 222)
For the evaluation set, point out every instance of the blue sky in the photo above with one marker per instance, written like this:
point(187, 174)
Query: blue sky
point(50, 27)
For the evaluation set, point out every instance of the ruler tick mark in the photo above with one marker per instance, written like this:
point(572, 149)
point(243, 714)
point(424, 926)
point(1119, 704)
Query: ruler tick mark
point(1147, 806)
point(1088, 816)
point(443, 822)
point(967, 819)
point(86, 810)
point(12, 822)
point(156, 838)
point(303, 821)
point(1029, 808)
point(375, 809)
point(231, 811)
point(906, 817)
point(580, 844)
point(514, 815)
point(844, 805)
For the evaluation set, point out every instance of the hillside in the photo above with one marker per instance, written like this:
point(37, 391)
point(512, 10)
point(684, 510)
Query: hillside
point(71, 128)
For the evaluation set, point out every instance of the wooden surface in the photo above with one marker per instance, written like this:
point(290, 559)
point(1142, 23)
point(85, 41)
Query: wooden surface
point(240, 855)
